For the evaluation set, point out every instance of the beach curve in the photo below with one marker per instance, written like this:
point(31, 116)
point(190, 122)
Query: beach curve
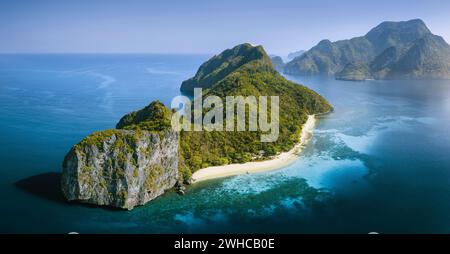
point(281, 160)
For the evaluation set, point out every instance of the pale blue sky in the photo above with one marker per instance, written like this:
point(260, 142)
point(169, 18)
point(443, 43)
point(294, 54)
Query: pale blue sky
point(199, 26)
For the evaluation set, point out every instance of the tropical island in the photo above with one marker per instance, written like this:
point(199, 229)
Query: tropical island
point(391, 50)
point(144, 157)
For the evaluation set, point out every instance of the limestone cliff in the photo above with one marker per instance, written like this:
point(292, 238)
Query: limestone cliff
point(121, 168)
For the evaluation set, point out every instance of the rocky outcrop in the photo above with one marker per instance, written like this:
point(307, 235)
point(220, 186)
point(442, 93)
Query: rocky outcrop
point(121, 168)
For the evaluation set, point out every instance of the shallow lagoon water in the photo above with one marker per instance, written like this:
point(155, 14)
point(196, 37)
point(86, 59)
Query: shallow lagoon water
point(379, 162)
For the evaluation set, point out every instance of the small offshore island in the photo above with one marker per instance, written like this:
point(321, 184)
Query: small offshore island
point(143, 157)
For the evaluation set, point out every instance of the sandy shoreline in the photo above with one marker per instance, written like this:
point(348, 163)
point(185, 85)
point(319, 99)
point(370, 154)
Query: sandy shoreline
point(279, 161)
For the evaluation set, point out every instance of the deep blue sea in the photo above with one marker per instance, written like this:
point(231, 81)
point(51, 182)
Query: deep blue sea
point(380, 162)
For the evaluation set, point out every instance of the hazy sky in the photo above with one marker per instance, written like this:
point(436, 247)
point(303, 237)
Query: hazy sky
point(198, 26)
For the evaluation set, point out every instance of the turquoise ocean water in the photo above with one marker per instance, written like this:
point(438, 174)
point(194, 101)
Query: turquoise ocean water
point(380, 162)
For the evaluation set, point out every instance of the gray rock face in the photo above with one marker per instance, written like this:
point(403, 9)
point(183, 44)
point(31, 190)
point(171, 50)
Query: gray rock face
point(121, 168)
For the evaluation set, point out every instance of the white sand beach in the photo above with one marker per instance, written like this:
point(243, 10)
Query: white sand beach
point(279, 161)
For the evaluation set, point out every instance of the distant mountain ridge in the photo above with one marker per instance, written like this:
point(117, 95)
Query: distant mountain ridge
point(277, 63)
point(391, 50)
point(295, 54)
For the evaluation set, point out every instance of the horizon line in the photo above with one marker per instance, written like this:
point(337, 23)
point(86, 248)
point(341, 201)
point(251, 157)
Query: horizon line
point(106, 53)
